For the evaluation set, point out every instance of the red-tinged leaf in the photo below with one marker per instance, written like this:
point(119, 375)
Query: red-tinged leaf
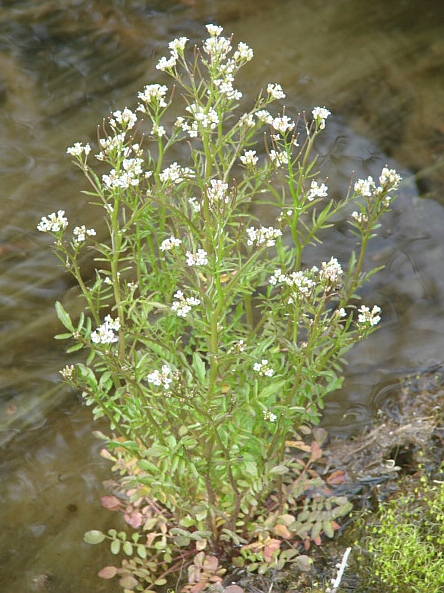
point(112, 503)
point(335, 525)
point(134, 519)
point(282, 531)
point(199, 586)
point(270, 548)
point(233, 589)
point(315, 452)
point(337, 477)
point(210, 564)
point(108, 572)
point(317, 540)
point(128, 582)
point(298, 445)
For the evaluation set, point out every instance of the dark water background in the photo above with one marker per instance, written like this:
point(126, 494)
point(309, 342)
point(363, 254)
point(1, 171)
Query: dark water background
point(64, 65)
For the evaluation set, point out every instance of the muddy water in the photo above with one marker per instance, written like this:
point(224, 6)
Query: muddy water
point(63, 66)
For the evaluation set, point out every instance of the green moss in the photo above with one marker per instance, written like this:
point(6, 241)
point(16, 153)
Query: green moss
point(405, 542)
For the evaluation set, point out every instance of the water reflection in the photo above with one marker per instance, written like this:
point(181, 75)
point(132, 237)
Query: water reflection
point(64, 66)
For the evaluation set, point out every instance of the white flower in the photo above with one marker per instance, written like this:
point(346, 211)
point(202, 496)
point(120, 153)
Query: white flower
point(317, 191)
point(78, 149)
point(365, 187)
point(249, 158)
point(170, 243)
point(278, 158)
point(125, 119)
point(263, 369)
point(197, 259)
point(360, 217)
point(162, 378)
point(389, 179)
point(367, 317)
point(247, 120)
point(214, 30)
point(282, 124)
point(53, 222)
point(111, 145)
point(183, 305)
point(177, 45)
point(331, 271)
point(320, 114)
point(105, 333)
point(81, 232)
point(67, 372)
point(263, 236)
point(153, 93)
point(217, 48)
point(196, 207)
point(264, 116)
point(244, 53)
point(217, 192)
point(175, 173)
point(341, 312)
point(165, 64)
point(269, 416)
point(158, 131)
point(276, 92)
point(203, 118)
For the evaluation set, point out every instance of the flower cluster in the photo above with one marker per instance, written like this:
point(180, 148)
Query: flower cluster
point(176, 46)
point(263, 236)
point(282, 124)
point(183, 305)
point(263, 368)
point(128, 176)
point(275, 91)
point(105, 333)
point(168, 244)
point(175, 173)
point(217, 192)
point(279, 158)
point(320, 114)
point(78, 149)
point(53, 223)
point(152, 94)
point(125, 120)
point(300, 282)
point(331, 271)
point(249, 158)
point(81, 232)
point(367, 317)
point(317, 191)
point(269, 416)
point(205, 118)
point(197, 259)
point(162, 378)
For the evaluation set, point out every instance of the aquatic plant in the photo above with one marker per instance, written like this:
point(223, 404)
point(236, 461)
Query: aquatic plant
point(211, 343)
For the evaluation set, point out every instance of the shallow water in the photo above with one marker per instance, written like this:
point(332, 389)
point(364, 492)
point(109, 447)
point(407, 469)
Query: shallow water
point(64, 66)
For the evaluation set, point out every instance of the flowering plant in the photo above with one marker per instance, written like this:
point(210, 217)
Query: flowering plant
point(211, 345)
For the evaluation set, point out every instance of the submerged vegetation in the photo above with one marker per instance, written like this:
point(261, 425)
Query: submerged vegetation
point(211, 339)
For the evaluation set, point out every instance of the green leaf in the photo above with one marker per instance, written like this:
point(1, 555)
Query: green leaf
point(279, 470)
point(115, 546)
point(128, 548)
point(93, 537)
point(199, 368)
point(328, 529)
point(64, 317)
point(62, 336)
point(75, 348)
